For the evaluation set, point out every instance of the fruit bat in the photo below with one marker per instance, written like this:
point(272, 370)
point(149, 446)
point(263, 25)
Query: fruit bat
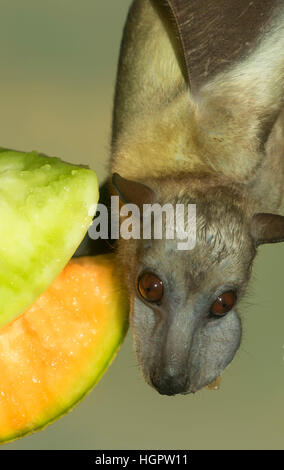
point(198, 119)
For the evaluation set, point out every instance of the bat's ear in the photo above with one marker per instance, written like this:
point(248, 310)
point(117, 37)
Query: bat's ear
point(132, 192)
point(267, 228)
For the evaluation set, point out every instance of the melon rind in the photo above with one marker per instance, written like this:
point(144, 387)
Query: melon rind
point(46, 207)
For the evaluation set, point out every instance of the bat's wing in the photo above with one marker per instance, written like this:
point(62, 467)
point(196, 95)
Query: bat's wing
point(215, 67)
point(215, 34)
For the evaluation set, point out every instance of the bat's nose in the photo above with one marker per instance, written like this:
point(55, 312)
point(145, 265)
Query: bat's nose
point(169, 383)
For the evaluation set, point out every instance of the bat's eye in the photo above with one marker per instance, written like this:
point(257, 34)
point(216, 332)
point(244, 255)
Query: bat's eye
point(224, 303)
point(150, 287)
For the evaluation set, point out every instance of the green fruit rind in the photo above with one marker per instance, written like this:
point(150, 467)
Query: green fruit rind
point(46, 207)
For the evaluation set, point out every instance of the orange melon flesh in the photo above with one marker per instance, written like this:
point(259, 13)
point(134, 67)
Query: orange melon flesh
point(55, 352)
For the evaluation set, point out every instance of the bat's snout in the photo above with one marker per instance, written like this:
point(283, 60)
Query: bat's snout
point(168, 382)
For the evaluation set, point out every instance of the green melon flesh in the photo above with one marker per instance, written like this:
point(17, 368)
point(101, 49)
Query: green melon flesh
point(46, 207)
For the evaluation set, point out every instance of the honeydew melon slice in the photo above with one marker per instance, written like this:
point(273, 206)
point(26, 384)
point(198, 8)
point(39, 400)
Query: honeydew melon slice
point(46, 207)
point(55, 352)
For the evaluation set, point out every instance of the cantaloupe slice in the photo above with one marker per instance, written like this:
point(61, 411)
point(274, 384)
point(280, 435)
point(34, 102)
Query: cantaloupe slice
point(46, 207)
point(55, 352)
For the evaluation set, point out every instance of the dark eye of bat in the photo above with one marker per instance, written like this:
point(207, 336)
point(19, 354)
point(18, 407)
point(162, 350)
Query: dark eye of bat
point(150, 287)
point(223, 304)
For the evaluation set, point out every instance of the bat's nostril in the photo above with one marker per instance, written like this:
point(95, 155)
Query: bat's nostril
point(167, 384)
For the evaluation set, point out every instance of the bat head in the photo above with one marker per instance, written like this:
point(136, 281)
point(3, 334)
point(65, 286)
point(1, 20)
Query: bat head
point(184, 297)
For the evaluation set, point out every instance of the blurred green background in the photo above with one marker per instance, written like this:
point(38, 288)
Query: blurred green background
point(58, 64)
